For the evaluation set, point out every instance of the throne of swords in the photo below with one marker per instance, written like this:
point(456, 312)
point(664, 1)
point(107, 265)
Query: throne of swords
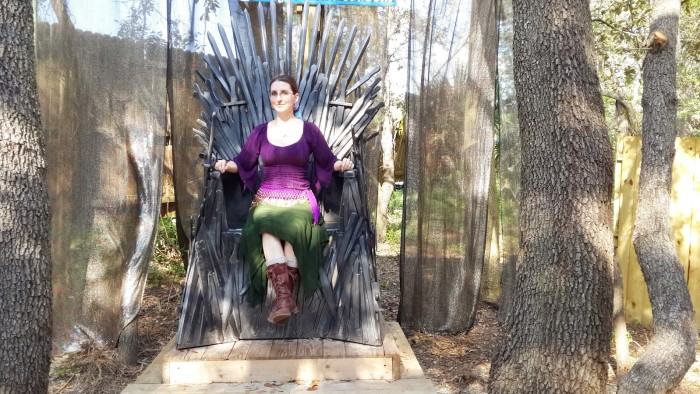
point(234, 92)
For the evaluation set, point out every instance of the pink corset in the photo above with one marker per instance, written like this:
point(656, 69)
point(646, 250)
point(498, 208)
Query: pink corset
point(284, 197)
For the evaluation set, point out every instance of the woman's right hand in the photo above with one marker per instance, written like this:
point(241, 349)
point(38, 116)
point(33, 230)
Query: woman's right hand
point(222, 166)
point(226, 166)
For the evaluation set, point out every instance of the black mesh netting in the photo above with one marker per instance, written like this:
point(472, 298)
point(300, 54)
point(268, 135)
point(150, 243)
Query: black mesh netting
point(509, 157)
point(452, 74)
point(103, 101)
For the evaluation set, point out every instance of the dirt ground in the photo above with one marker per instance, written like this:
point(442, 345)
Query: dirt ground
point(455, 363)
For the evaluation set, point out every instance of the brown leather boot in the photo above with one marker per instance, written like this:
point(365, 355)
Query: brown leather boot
point(283, 305)
point(294, 279)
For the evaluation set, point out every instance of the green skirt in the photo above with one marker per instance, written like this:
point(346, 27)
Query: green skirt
point(292, 224)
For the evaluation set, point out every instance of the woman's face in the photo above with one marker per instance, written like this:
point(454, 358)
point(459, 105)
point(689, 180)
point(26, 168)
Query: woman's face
point(282, 98)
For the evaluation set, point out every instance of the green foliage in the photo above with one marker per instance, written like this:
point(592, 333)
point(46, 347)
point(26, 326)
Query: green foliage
point(621, 29)
point(395, 214)
point(60, 372)
point(143, 17)
point(166, 264)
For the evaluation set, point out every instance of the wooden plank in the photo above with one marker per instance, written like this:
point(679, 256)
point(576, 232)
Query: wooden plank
point(153, 374)
point(358, 350)
point(694, 244)
point(176, 355)
point(333, 349)
point(310, 348)
point(680, 211)
point(410, 386)
point(616, 186)
point(633, 280)
point(168, 193)
point(259, 349)
point(195, 353)
point(173, 355)
point(283, 349)
point(639, 295)
point(625, 161)
point(392, 361)
point(240, 350)
point(391, 350)
point(639, 282)
point(683, 227)
point(410, 368)
point(218, 352)
point(232, 371)
point(220, 388)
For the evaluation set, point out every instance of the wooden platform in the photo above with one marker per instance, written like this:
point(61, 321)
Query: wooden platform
point(283, 361)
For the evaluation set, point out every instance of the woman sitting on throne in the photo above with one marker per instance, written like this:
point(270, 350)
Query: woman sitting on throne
point(284, 236)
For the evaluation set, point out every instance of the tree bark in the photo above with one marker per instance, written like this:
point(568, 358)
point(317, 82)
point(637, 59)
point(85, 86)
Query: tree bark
point(25, 295)
point(671, 350)
point(386, 136)
point(128, 344)
point(386, 175)
point(624, 113)
point(491, 273)
point(622, 351)
point(559, 326)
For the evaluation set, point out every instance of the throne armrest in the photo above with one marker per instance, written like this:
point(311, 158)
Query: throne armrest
point(349, 173)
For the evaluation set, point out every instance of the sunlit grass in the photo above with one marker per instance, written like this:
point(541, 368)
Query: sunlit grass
point(395, 214)
point(166, 264)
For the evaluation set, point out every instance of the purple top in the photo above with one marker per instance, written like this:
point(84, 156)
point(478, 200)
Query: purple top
point(285, 167)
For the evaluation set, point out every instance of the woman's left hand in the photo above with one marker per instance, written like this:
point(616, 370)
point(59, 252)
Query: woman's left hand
point(343, 165)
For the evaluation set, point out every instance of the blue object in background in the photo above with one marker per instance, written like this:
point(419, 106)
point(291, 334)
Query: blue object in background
point(341, 2)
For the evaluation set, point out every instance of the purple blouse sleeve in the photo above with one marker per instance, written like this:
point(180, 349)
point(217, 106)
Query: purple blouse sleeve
point(324, 158)
point(247, 160)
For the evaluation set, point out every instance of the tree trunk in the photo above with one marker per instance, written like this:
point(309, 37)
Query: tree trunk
point(491, 273)
point(386, 136)
point(671, 350)
point(386, 175)
point(128, 344)
point(558, 331)
point(622, 351)
point(25, 295)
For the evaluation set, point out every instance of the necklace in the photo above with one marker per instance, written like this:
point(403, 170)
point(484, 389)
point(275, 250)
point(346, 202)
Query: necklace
point(284, 132)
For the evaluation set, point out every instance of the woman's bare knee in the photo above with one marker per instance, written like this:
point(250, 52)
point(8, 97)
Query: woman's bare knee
point(289, 251)
point(272, 246)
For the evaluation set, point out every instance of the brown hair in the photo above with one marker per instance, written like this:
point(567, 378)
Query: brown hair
point(288, 79)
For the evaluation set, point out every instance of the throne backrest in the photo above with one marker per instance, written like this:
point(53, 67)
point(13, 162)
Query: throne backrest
point(235, 93)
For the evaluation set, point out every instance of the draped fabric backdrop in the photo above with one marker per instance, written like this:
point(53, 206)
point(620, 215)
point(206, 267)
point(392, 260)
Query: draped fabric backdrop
point(509, 157)
point(101, 77)
point(115, 82)
point(451, 90)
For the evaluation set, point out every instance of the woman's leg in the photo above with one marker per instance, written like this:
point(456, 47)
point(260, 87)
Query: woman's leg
point(289, 254)
point(283, 305)
point(292, 268)
point(272, 246)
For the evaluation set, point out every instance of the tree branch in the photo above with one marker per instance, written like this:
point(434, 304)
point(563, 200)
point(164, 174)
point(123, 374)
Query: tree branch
point(628, 109)
point(610, 25)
